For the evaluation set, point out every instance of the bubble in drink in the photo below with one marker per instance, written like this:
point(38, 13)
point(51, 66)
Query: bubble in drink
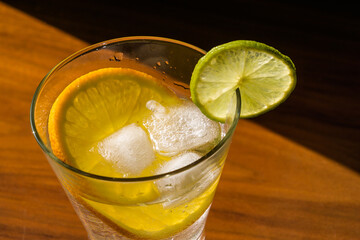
point(129, 150)
point(180, 128)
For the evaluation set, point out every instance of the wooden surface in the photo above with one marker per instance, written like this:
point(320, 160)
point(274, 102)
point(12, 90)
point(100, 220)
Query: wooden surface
point(291, 174)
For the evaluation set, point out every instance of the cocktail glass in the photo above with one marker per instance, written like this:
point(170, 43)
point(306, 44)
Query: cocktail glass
point(172, 205)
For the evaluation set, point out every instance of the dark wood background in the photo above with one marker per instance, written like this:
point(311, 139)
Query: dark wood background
point(292, 173)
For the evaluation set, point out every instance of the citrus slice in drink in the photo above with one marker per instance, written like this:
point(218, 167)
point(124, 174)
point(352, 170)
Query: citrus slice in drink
point(264, 76)
point(88, 110)
point(93, 107)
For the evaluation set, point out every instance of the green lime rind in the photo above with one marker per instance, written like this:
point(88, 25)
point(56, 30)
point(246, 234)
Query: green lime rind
point(264, 76)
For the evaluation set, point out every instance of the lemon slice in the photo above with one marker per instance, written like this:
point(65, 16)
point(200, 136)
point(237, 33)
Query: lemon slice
point(96, 105)
point(93, 107)
point(264, 76)
point(88, 110)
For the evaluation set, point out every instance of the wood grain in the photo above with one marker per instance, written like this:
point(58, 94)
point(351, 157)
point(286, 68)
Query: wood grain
point(32, 203)
point(272, 187)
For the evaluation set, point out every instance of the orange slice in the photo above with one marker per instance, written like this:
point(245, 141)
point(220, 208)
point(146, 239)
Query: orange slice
point(93, 107)
point(96, 105)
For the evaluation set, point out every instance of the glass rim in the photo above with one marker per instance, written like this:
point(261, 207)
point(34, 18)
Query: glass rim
point(57, 160)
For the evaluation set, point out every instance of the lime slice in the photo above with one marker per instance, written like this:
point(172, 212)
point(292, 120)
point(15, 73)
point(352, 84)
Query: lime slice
point(264, 76)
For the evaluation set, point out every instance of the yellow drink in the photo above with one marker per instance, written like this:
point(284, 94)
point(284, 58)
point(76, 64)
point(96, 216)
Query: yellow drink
point(86, 125)
point(136, 157)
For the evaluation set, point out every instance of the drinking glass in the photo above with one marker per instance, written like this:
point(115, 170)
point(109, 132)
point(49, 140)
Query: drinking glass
point(172, 205)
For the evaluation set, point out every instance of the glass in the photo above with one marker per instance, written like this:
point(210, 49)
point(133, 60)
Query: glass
point(107, 206)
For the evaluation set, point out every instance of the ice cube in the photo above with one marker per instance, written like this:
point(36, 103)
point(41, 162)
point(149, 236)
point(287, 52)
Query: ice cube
point(155, 107)
point(179, 161)
point(181, 187)
point(177, 180)
point(129, 150)
point(180, 128)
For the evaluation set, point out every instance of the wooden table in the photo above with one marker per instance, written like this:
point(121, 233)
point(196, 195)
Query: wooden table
point(292, 174)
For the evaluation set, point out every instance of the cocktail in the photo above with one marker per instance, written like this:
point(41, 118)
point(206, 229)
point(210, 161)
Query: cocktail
point(136, 157)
